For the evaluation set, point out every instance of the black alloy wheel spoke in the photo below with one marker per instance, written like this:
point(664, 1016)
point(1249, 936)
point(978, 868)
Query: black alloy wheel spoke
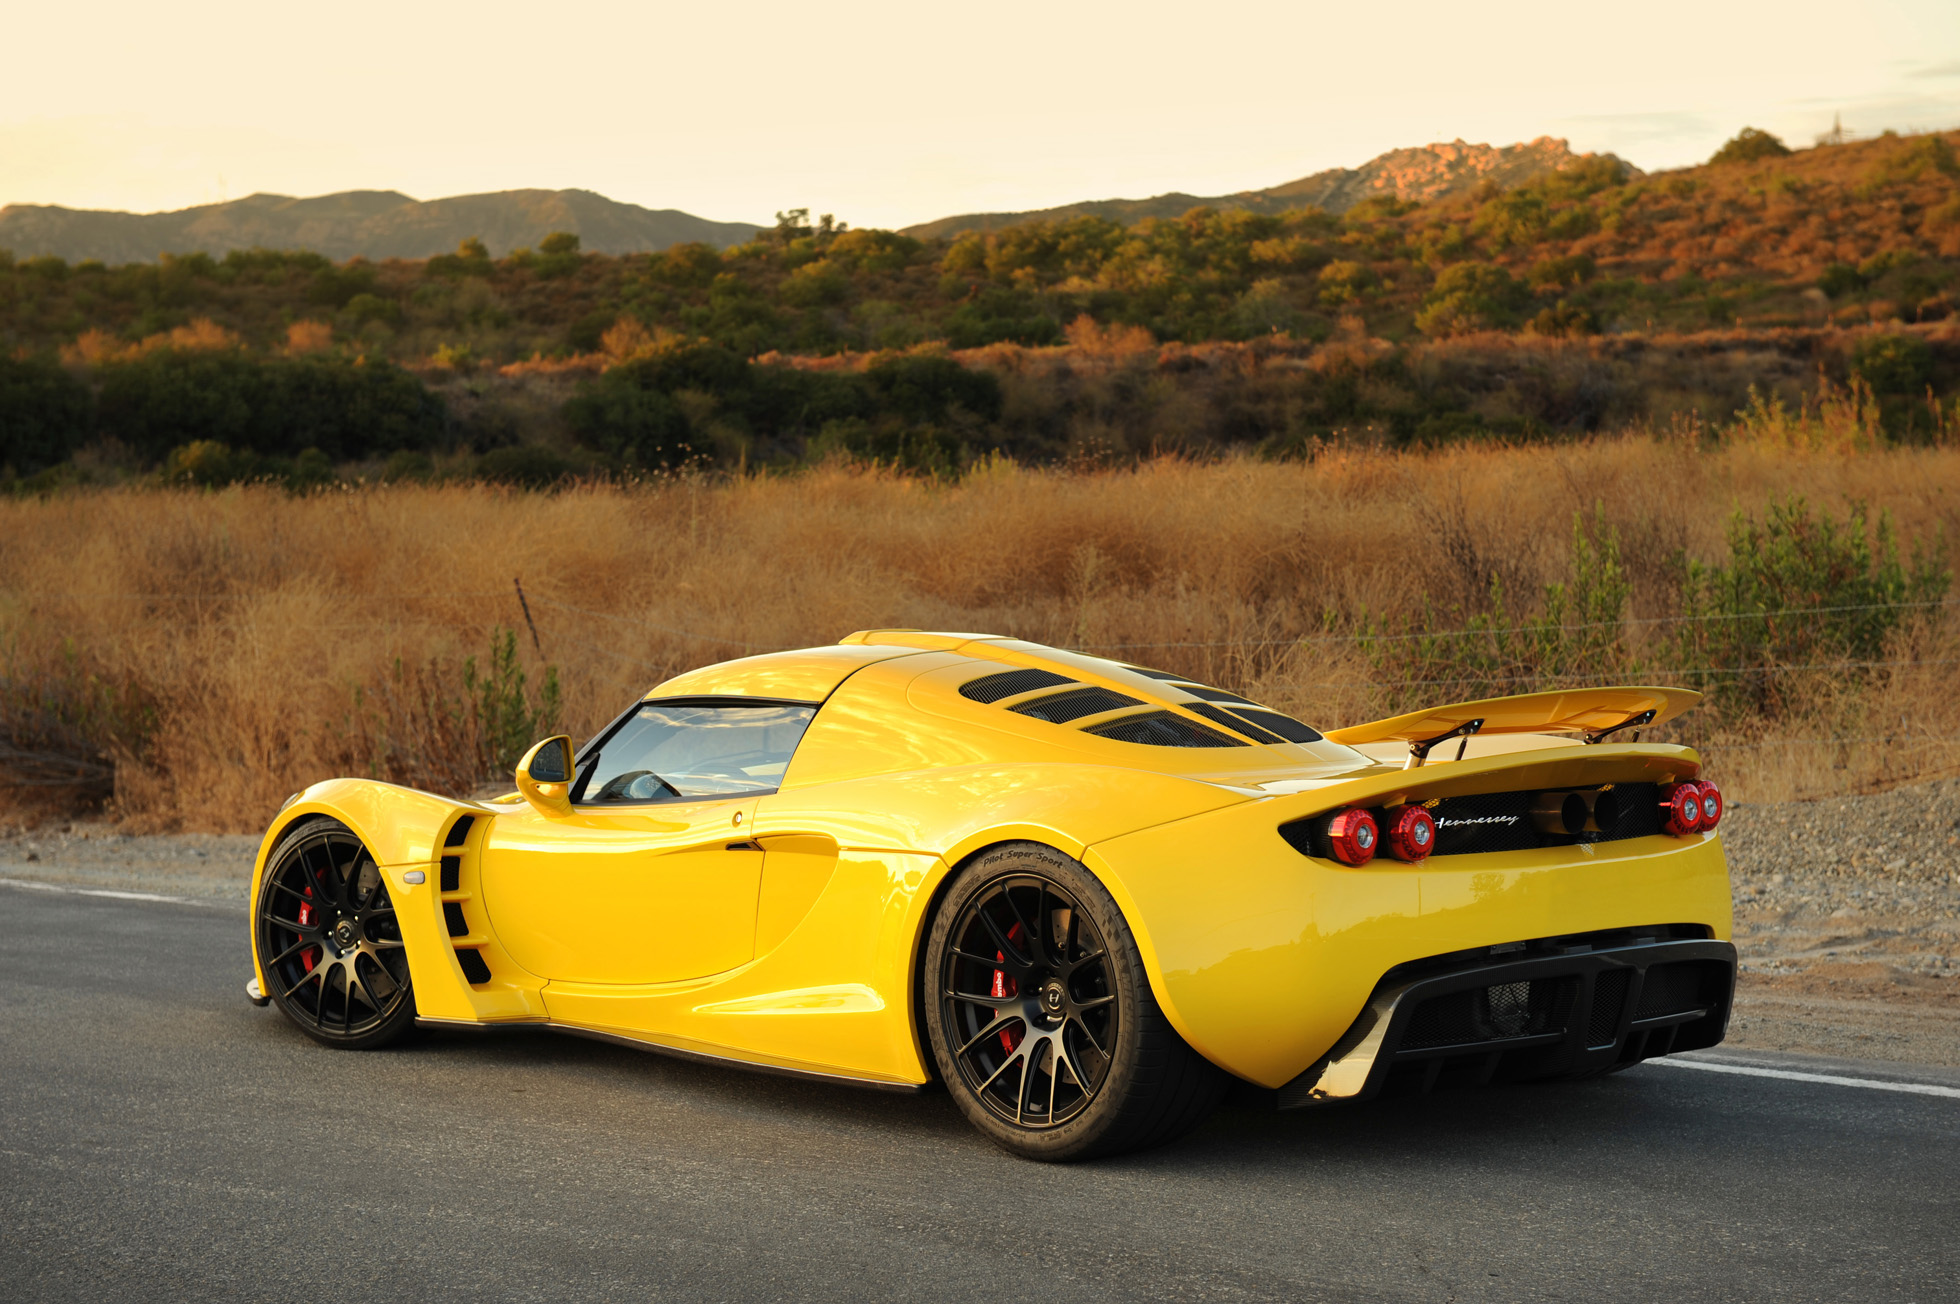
point(994, 1029)
point(1010, 954)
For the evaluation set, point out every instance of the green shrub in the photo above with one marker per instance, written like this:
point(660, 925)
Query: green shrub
point(266, 406)
point(558, 255)
point(639, 426)
point(1577, 636)
point(1893, 365)
point(45, 414)
point(472, 258)
point(1840, 279)
point(929, 387)
point(1750, 146)
point(1801, 596)
point(529, 466)
point(1470, 297)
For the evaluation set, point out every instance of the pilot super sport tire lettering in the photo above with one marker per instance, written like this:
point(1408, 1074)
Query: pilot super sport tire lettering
point(1041, 1018)
point(328, 940)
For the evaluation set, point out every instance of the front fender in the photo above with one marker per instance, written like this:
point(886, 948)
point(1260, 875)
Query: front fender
point(404, 830)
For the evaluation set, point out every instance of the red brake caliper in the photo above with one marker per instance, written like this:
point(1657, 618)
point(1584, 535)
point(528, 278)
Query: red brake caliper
point(311, 954)
point(1005, 987)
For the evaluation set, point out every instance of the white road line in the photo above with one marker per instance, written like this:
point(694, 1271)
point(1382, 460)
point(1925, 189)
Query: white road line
point(103, 892)
point(1828, 1079)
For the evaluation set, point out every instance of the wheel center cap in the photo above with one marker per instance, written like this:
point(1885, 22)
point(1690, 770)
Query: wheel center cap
point(1053, 997)
point(344, 935)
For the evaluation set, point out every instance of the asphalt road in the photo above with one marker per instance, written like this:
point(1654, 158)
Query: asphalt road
point(162, 1139)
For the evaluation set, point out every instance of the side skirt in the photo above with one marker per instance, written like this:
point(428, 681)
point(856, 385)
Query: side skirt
point(675, 1052)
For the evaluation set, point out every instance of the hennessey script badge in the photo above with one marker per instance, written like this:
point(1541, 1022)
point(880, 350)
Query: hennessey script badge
point(1444, 821)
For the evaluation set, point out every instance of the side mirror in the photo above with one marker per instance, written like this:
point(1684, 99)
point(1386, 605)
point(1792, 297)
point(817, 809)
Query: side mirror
point(545, 776)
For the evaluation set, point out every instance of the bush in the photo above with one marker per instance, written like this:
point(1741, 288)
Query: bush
point(45, 414)
point(1471, 297)
point(472, 258)
point(639, 426)
point(1840, 279)
point(1750, 146)
point(1893, 365)
point(927, 387)
point(529, 466)
point(267, 406)
point(1801, 596)
point(558, 254)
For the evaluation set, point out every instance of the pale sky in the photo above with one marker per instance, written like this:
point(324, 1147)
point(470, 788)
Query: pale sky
point(887, 114)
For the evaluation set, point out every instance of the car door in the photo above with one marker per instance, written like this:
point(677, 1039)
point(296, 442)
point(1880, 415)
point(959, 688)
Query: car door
point(652, 878)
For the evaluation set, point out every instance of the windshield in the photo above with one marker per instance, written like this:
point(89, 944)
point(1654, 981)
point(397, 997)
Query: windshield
point(667, 751)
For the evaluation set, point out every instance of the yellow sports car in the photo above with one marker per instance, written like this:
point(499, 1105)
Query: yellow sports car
point(1087, 897)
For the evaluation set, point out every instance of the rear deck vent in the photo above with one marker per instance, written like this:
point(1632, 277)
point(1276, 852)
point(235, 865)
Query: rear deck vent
point(1060, 708)
point(459, 832)
point(1215, 695)
point(1162, 729)
point(473, 967)
point(452, 873)
point(1294, 731)
point(992, 688)
point(452, 914)
point(1231, 721)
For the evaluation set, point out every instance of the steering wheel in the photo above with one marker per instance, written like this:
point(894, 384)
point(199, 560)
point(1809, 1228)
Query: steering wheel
point(635, 785)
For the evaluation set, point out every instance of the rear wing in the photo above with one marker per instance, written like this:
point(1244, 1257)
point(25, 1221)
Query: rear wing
point(1593, 713)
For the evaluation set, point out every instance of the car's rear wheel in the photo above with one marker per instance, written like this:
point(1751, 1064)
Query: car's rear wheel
point(328, 941)
point(1041, 1018)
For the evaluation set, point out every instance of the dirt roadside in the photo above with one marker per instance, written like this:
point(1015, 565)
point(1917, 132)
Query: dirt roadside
point(1847, 912)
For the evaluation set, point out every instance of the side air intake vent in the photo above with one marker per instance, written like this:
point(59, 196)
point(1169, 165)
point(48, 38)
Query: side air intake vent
point(459, 832)
point(992, 688)
point(1060, 708)
point(1294, 731)
point(1162, 729)
point(1231, 721)
point(473, 967)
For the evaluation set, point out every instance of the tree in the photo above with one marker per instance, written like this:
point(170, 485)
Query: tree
point(1750, 146)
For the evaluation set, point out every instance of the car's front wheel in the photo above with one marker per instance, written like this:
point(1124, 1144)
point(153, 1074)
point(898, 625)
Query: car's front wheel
point(1041, 1017)
point(328, 941)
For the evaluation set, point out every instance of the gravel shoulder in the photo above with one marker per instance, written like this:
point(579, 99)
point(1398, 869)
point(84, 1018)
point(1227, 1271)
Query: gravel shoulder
point(1847, 912)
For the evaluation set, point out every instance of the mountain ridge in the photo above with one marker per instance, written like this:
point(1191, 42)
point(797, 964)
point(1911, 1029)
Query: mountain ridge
point(1417, 173)
point(373, 224)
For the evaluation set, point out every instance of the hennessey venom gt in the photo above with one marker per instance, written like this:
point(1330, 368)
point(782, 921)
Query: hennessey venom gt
point(1087, 897)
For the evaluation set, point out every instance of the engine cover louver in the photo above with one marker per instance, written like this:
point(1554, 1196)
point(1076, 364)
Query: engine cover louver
point(1293, 731)
point(1162, 729)
point(989, 689)
point(1232, 721)
point(1060, 708)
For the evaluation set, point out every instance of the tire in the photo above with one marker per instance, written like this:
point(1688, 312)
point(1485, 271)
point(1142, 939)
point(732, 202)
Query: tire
point(328, 942)
point(1041, 1018)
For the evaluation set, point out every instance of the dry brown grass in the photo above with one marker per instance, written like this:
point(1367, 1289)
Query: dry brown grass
point(229, 631)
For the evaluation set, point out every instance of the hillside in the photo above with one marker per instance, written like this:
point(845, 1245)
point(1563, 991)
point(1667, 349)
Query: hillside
point(1421, 174)
point(358, 223)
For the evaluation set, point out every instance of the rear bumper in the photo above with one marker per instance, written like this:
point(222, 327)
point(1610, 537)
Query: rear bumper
point(1571, 1005)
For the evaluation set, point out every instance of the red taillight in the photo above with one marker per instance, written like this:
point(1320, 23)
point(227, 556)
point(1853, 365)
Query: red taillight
point(1681, 808)
point(1352, 836)
point(1711, 805)
point(1411, 834)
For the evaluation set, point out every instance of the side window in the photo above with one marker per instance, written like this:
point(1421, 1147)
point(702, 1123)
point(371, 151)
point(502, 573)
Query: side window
point(671, 750)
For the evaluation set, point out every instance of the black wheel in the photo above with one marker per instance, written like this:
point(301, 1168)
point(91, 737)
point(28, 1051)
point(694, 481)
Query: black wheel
point(1041, 1019)
point(328, 941)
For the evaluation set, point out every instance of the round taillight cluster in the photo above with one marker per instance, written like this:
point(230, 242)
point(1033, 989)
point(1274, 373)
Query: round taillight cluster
point(1354, 835)
point(1690, 808)
point(1411, 834)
